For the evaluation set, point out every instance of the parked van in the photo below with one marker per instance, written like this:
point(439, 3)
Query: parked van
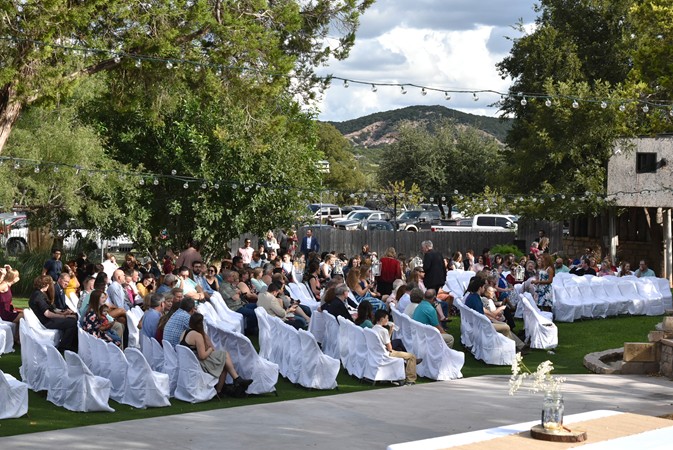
point(480, 222)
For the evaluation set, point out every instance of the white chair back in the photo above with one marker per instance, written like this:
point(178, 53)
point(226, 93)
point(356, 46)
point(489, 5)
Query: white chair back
point(540, 331)
point(40, 333)
point(94, 391)
point(194, 385)
point(6, 337)
point(34, 370)
point(144, 387)
point(170, 366)
point(13, 397)
point(319, 371)
point(380, 365)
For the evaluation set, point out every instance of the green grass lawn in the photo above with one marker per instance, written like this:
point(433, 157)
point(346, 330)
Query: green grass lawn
point(576, 340)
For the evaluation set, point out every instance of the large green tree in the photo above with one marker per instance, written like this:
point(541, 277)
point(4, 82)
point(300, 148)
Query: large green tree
point(47, 47)
point(577, 56)
point(441, 158)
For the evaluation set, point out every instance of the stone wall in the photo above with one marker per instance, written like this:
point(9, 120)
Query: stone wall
point(666, 361)
point(573, 247)
point(630, 251)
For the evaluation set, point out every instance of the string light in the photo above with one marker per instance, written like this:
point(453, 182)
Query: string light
point(547, 103)
point(404, 91)
point(524, 102)
point(447, 96)
point(424, 92)
point(374, 88)
point(346, 84)
point(575, 104)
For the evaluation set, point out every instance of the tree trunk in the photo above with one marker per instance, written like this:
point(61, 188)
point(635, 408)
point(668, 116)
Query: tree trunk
point(10, 109)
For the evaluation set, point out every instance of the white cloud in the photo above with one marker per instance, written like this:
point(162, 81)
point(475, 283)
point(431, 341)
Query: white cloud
point(435, 43)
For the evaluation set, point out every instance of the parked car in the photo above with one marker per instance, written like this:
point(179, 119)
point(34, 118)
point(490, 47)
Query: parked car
point(359, 216)
point(382, 225)
point(325, 211)
point(14, 232)
point(418, 219)
point(480, 222)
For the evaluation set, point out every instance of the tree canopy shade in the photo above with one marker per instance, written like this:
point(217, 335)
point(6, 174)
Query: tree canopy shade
point(47, 47)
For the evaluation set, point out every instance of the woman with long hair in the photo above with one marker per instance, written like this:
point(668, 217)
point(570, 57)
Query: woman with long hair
point(543, 283)
point(9, 277)
point(359, 286)
point(417, 276)
point(365, 314)
point(313, 280)
point(41, 302)
point(215, 362)
point(624, 269)
point(246, 287)
point(96, 322)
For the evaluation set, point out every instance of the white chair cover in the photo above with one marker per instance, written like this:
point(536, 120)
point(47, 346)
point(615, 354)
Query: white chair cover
point(330, 344)
point(345, 344)
point(114, 367)
point(95, 390)
point(316, 326)
point(439, 361)
point(6, 337)
point(292, 355)
point(319, 371)
point(248, 364)
point(540, 331)
point(41, 334)
point(265, 337)
point(71, 301)
point(144, 387)
point(84, 349)
point(405, 331)
point(380, 365)
point(132, 322)
point(34, 369)
point(486, 344)
point(170, 366)
point(306, 296)
point(227, 315)
point(13, 397)
point(73, 386)
point(456, 282)
point(194, 385)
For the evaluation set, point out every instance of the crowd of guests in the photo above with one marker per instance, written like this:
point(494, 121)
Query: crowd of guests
point(362, 288)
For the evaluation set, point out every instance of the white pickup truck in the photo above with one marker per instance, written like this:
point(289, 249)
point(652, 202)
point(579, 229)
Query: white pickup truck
point(480, 222)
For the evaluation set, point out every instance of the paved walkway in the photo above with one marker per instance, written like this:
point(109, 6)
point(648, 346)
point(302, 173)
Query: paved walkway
point(372, 419)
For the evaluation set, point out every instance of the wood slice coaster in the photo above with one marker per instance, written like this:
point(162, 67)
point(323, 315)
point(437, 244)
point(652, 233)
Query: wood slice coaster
point(538, 432)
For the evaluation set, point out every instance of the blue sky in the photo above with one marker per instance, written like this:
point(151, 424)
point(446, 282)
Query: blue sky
point(446, 44)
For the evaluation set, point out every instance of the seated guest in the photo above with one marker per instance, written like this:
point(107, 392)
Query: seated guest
point(337, 305)
point(198, 276)
point(150, 321)
point(242, 277)
point(384, 333)
point(398, 290)
point(189, 287)
point(169, 283)
point(235, 301)
point(474, 301)
point(215, 362)
point(359, 286)
point(168, 313)
point(624, 269)
point(583, 269)
point(62, 283)
point(416, 296)
point(146, 286)
point(643, 270)
point(41, 302)
point(211, 278)
point(179, 321)
point(256, 280)
point(606, 269)
point(9, 277)
point(96, 321)
point(559, 267)
point(425, 313)
point(404, 300)
point(274, 307)
point(365, 315)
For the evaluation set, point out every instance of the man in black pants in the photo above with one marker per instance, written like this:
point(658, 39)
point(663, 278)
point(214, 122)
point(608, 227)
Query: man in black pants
point(433, 266)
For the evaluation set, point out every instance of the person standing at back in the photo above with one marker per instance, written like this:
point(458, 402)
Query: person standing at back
point(309, 244)
point(53, 266)
point(433, 266)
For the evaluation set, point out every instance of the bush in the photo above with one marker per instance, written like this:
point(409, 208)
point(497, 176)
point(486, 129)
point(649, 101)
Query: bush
point(504, 249)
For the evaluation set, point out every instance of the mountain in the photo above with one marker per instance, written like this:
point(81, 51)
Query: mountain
point(380, 129)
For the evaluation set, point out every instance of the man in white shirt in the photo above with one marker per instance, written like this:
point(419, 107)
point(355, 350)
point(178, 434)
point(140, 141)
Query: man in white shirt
point(384, 331)
point(110, 265)
point(245, 252)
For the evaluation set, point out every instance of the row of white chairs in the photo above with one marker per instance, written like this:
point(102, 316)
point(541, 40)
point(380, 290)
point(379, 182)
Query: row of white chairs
point(588, 296)
point(69, 383)
point(296, 353)
point(299, 291)
point(478, 334)
point(439, 361)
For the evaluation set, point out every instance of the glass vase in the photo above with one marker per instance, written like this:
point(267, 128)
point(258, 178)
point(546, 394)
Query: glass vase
point(552, 412)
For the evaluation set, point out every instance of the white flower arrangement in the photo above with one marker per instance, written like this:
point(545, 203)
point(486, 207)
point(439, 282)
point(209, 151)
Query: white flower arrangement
point(542, 379)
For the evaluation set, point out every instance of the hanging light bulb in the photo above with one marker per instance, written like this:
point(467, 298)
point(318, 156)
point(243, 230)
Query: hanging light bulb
point(646, 109)
point(475, 97)
point(169, 65)
point(247, 189)
point(197, 68)
point(204, 185)
point(670, 113)
point(604, 104)
point(17, 165)
point(432, 199)
point(56, 169)
point(37, 169)
point(155, 182)
point(141, 181)
point(547, 103)
point(216, 186)
point(186, 185)
point(447, 96)
point(404, 91)
point(234, 186)
point(575, 104)
point(117, 59)
point(374, 88)
point(285, 191)
point(443, 198)
point(524, 102)
point(563, 196)
point(174, 172)
point(622, 108)
point(139, 63)
point(424, 92)
point(346, 83)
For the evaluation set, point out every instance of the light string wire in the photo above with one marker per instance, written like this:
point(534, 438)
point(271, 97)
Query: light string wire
point(119, 55)
point(153, 178)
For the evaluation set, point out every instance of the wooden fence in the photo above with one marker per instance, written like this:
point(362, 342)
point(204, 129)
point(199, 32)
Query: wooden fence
point(409, 243)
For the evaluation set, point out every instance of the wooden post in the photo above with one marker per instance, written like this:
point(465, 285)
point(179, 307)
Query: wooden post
point(613, 237)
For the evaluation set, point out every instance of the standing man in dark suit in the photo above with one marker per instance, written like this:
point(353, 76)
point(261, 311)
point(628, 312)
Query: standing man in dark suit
point(309, 244)
point(433, 265)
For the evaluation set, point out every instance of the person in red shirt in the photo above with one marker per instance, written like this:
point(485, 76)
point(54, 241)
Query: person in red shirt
point(391, 270)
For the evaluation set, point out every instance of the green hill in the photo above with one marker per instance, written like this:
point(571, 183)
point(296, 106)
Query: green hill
point(380, 128)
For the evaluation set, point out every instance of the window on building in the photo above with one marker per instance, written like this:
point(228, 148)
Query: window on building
point(646, 162)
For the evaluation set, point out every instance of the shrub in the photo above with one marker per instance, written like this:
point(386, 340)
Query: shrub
point(505, 249)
